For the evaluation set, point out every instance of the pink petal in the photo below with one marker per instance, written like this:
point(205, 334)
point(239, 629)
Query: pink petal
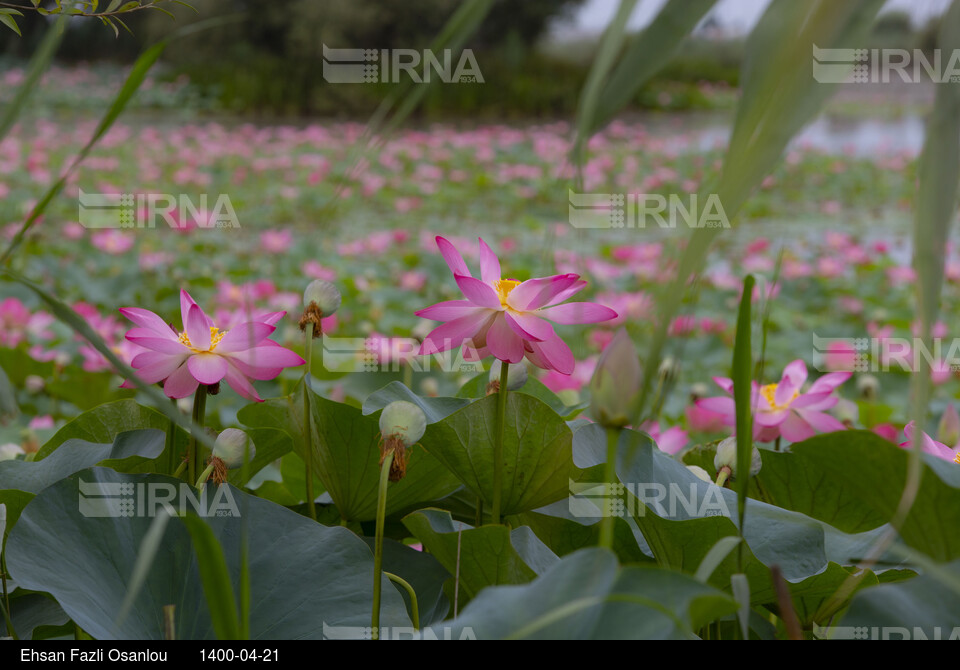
point(829, 381)
point(268, 357)
point(159, 370)
point(578, 312)
point(270, 318)
point(197, 329)
point(453, 333)
point(556, 354)
point(535, 293)
point(453, 258)
point(146, 358)
point(207, 368)
point(528, 326)
point(489, 264)
point(725, 383)
point(795, 429)
point(447, 311)
point(720, 405)
point(241, 384)
point(822, 423)
point(504, 343)
point(147, 319)
point(796, 372)
point(478, 292)
point(180, 383)
point(186, 302)
point(568, 293)
point(172, 347)
point(771, 418)
point(245, 336)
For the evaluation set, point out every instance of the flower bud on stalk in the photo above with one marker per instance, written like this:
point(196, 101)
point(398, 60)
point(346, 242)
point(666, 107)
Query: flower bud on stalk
point(402, 424)
point(615, 386)
point(868, 386)
point(516, 377)
point(320, 299)
point(232, 448)
point(726, 460)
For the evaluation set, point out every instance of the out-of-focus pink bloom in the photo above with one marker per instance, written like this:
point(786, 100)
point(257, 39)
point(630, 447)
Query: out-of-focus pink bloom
point(112, 241)
point(900, 275)
point(412, 280)
point(928, 444)
point(671, 441)
point(41, 422)
point(682, 325)
point(276, 241)
point(780, 409)
point(314, 270)
point(202, 354)
point(840, 356)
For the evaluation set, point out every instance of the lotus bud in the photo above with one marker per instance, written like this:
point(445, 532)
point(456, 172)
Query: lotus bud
point(516, 377)
point(699, 390)
point(868, 386)
point(846, 411)
point(700, 473)
point(668, 370)
point(402, 424)
point(727, 457)
point(949, 430)
point(320, 299)
point(34, 384)
point(233, 447)
point(10, 451)
point(429, 387)
point(615, 386)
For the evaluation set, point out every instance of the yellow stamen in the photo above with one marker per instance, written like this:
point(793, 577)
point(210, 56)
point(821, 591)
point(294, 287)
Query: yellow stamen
point(956, 459)
point(769, 392)
point(503, 287)
point(215, 337)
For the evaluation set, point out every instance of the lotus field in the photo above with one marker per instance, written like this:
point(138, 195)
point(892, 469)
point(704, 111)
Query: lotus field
point(612, 376)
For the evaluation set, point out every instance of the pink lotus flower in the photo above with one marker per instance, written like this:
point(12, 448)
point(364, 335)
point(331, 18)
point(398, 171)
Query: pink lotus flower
point(781, 409)
point(507, 318)
point(202, 354)
point(929, 445)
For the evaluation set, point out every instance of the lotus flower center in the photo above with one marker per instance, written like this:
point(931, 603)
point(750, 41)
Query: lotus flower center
point(503, 287)
point(215, 337)
point(769, 392)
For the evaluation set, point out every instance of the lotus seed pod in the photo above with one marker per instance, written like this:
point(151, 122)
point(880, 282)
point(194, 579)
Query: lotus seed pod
point(516, 375)
point(403, 420)
point(868, 386)
point(700, 472)
point(232, 447)
point(615, 386)
point(326, 296)
point(727, 457)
